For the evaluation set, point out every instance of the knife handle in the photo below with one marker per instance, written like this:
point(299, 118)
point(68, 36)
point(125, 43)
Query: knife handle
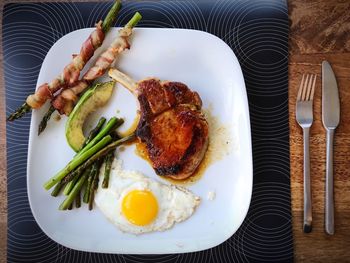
point(307, 184)
point(329, 220)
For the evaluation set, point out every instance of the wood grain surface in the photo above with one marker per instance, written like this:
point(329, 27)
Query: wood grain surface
point(319, 30)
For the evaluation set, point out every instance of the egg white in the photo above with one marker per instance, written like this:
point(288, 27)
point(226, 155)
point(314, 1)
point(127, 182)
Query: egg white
point(175, 204)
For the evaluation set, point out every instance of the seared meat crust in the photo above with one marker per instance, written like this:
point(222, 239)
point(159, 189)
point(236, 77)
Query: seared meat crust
point(172, 126)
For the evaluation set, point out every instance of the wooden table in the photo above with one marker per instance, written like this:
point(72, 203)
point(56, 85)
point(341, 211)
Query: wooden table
point(320, 29)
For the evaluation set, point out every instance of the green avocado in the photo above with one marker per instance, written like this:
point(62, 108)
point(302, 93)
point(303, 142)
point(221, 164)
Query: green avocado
point(94, 98)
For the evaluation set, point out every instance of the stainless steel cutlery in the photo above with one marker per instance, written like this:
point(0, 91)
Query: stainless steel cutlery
point(304, 117)
point(330, 119)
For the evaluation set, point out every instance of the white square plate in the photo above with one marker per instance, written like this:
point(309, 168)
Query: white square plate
point(207, 65)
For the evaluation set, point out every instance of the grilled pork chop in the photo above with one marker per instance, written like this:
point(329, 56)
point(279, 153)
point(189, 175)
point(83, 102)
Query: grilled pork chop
point(171, 124)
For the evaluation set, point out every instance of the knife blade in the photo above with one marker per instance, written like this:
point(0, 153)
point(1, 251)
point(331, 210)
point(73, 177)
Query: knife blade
point(330, 97)
point(330, 120)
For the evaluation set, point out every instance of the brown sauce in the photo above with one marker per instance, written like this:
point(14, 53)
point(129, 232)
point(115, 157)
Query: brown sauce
point(132, 127)
point(141, 151)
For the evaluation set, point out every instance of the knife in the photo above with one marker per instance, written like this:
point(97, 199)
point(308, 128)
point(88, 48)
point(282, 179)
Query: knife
point(330, 119)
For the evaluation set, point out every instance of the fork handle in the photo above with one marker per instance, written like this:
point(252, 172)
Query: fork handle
point(307, 183)
point(329, 220)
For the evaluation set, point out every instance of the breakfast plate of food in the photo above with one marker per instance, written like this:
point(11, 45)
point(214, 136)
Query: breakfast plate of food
point(148, 149)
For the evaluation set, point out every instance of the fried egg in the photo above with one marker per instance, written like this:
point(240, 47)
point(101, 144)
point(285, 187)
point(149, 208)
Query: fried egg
point(137, 204)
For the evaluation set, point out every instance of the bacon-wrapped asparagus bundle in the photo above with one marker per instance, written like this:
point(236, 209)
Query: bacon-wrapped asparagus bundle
point(64, 102)
point(71, 72)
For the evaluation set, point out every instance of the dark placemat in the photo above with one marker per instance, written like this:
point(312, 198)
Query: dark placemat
point(257, 31)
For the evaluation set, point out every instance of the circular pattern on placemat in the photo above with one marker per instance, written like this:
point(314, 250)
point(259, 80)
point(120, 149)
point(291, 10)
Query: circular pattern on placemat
point(268, 220)
point(258, 34)
point(22, 230)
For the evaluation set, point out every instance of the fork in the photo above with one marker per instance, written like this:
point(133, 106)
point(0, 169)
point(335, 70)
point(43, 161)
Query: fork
point(304, 117)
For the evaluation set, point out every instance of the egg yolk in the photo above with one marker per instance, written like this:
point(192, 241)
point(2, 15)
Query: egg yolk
point(140, 207)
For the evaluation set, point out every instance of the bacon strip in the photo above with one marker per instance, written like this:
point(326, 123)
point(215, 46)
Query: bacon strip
point(71, 72)
point(64, 102)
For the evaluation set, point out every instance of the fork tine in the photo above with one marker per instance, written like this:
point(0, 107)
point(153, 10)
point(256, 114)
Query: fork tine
point(301, 87)
point(313, 88)
point(303, 96)
point(309, 85)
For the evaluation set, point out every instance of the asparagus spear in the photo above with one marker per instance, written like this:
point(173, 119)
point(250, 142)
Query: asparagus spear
point(101, 153)
point(108, 164)
point(70, 185)
point(105, 130)
point(77, 160)
point(87, 190)
point(88, 186)
point(94, 184)
point(45, 119)
point(106, 25)
point(78, 200)
point(91, 198)
point(57, 189)
point(110, 128)
point(134, 20)
point(111, 16)
point(94, 131)
point(20, 112)
point(72, 195)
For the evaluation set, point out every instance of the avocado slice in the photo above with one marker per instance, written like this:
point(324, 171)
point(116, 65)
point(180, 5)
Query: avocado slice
point(94, 98)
